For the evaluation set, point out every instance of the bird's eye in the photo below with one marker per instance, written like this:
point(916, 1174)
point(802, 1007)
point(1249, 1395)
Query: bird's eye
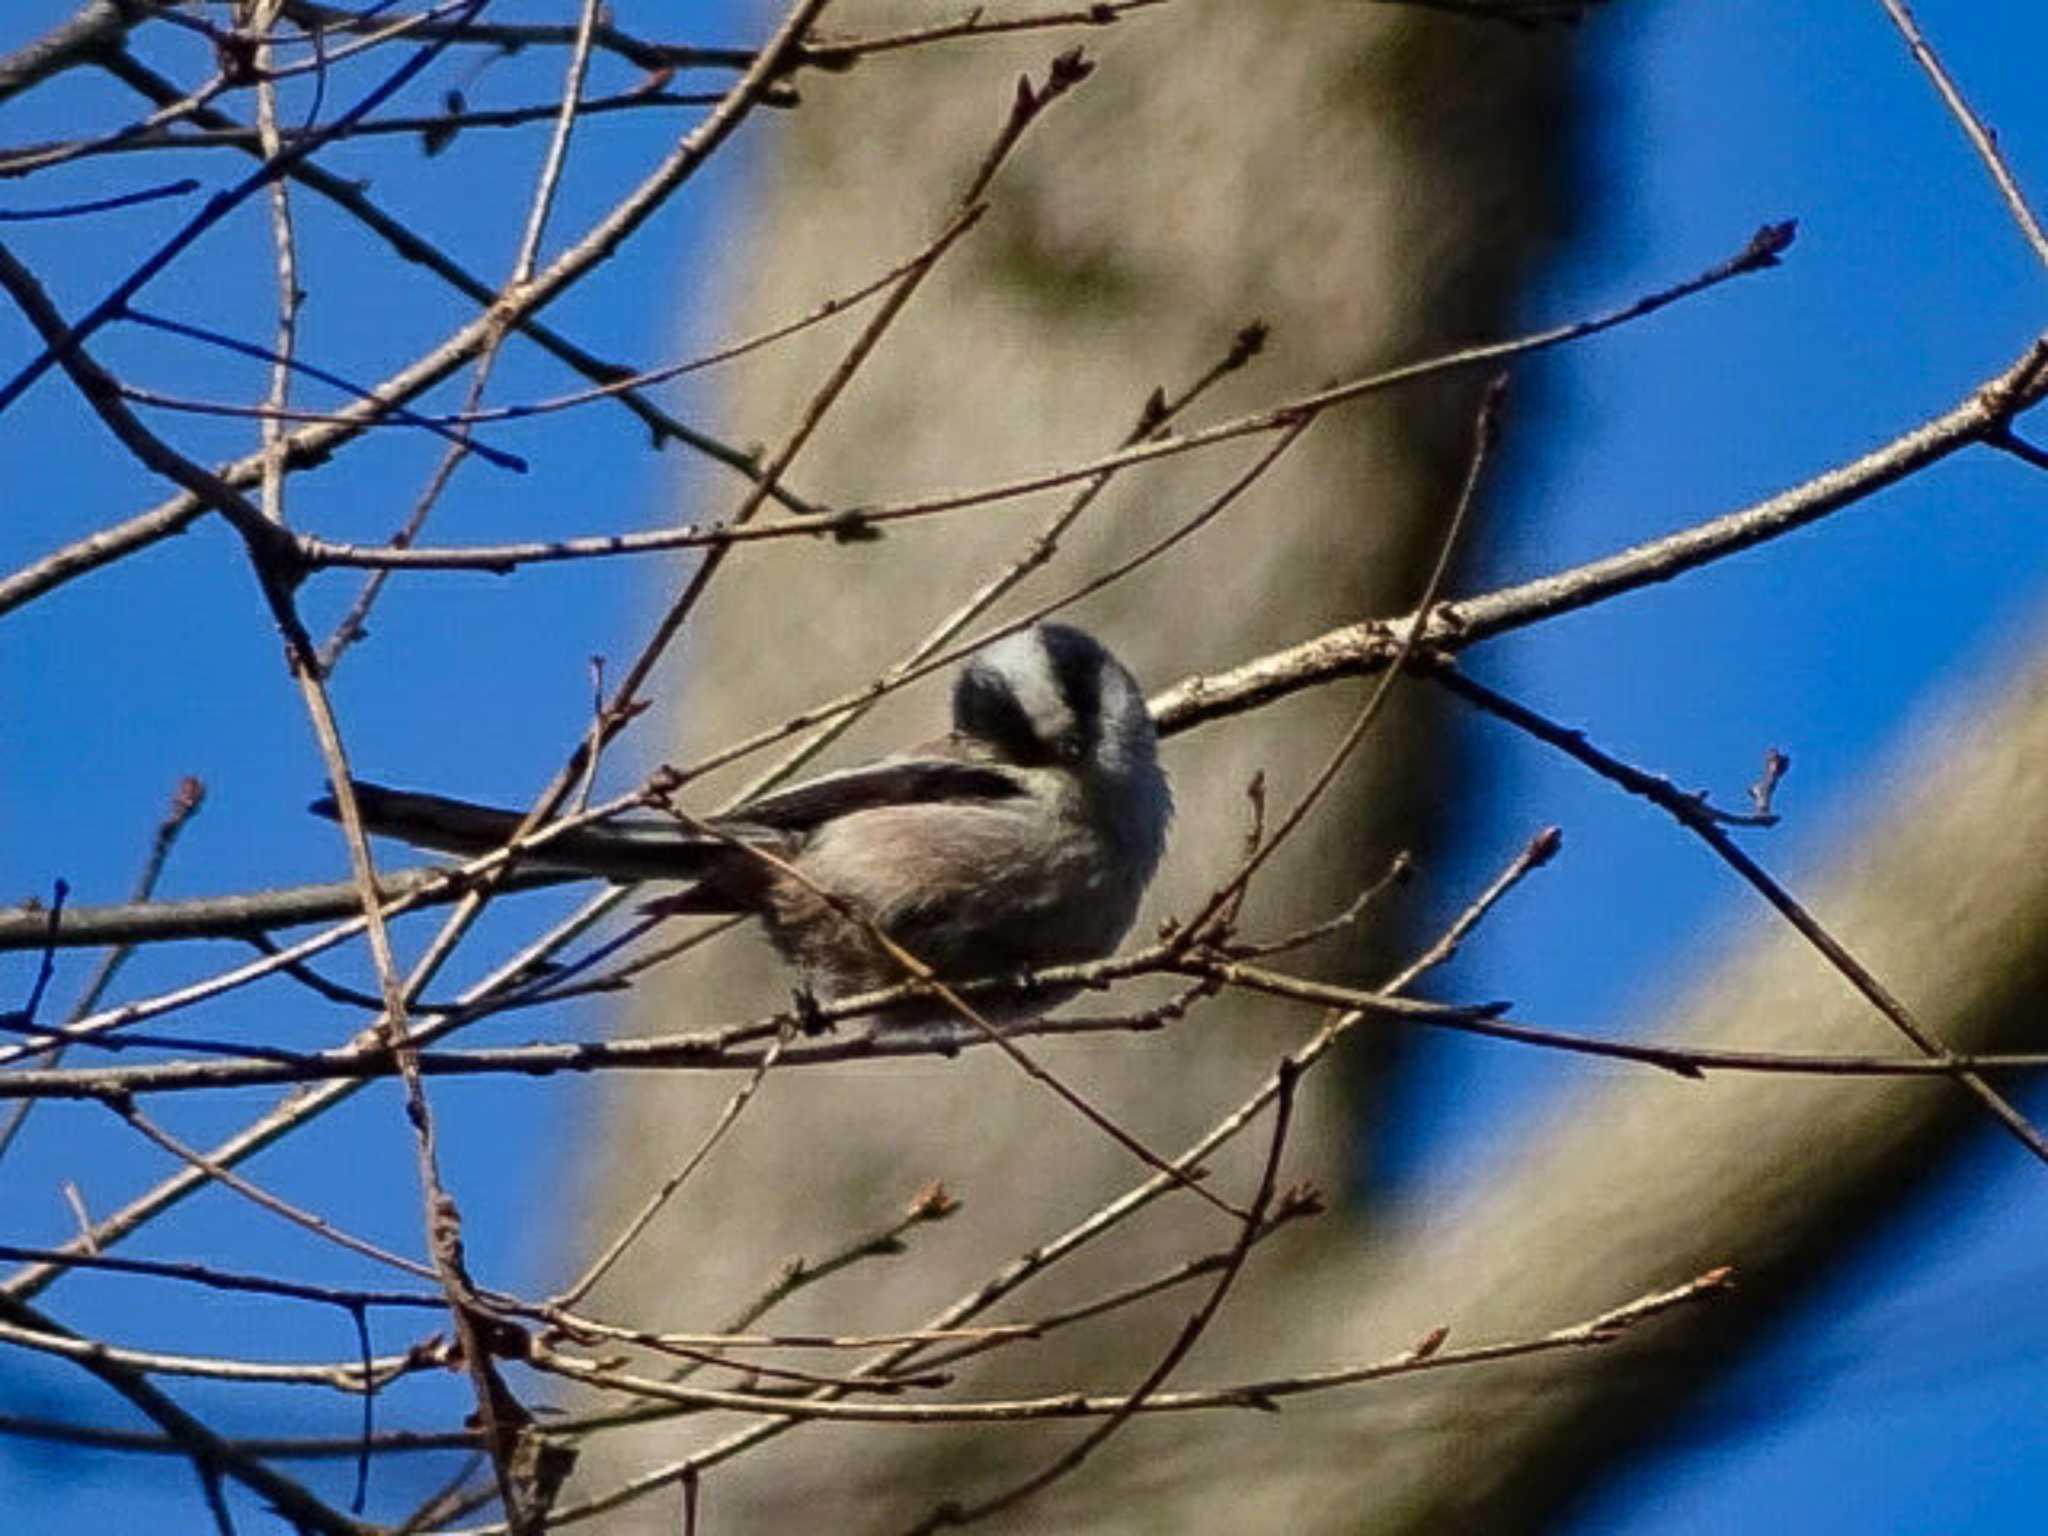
point(1070, 749)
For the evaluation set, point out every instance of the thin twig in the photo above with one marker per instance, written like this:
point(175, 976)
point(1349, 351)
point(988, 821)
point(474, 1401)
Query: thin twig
point(185, 802)
point(1981, 138)
point(1204, 927)
point(211, 1454)
point(227, 1178)
point(439, 126)
point(840, 53)
point(212, 1277)
point(1295, 1203)
point(950, 1514)
point(1761, 253)
point(670, 1186)
point(1535, 853)
point(340, 1376)
point(1710, 827)
point(1257, 1396)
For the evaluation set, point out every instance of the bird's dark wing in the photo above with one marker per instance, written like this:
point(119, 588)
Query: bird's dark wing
point(921, 780)
point(624, 849)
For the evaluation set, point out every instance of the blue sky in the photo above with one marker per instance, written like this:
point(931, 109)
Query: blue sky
point(1908, 285)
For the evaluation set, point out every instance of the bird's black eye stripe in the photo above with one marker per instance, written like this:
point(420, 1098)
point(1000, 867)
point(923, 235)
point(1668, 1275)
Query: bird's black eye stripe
point(1077, 663)
point(984, 706)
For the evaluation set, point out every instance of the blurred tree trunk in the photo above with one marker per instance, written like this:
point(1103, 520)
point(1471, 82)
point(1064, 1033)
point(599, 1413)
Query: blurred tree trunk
point(1373, 182)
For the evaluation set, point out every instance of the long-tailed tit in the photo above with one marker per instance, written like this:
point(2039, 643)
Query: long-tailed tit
point(1021, 839)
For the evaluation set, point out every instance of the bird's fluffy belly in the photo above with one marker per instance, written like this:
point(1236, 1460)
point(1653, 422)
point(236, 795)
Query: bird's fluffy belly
point(969, 890)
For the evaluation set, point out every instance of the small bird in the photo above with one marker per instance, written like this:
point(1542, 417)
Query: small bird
point(1023, 838)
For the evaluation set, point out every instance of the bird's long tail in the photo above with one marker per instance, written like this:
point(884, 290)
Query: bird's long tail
point(619, 850)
